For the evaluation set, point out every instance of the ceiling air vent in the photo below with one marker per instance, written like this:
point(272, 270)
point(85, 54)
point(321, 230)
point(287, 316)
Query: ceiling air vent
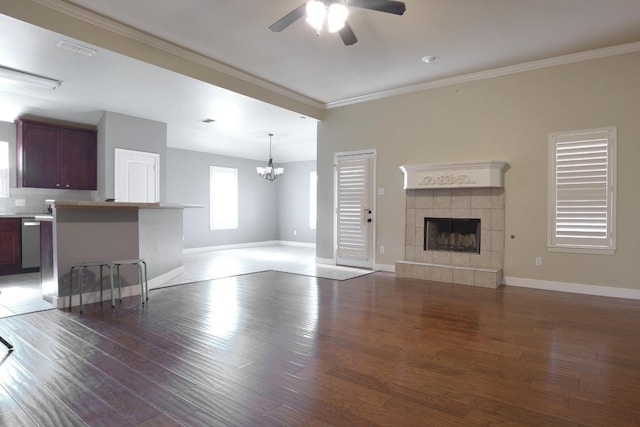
point(82, 50)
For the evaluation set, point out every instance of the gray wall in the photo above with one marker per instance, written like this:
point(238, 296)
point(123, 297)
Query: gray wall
point(160, 240)
point(131, 133)
point(188, 182)
point(267, 210)
point(293, 198)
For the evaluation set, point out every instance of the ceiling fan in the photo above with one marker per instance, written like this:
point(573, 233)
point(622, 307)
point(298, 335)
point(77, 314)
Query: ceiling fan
point(335, 13)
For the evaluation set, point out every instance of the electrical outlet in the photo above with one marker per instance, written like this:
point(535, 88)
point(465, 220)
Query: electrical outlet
point(295, 232)
point(20, 202)
point(381, 249)
point(538, 261)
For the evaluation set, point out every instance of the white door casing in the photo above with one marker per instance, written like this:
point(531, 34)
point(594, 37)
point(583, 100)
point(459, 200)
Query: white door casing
point(354, 235)
point(137, 176)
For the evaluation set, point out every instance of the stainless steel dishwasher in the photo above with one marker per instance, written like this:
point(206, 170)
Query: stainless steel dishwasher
point(30, 244)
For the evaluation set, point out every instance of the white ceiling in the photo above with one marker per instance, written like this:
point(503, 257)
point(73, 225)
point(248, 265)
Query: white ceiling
point(467, 36)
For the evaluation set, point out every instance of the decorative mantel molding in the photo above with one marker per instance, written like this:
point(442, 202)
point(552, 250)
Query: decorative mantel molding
point(454, 175)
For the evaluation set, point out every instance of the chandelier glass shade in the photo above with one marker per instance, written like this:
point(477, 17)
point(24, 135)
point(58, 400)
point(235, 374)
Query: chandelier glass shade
point(269, 172)
point(335, 15)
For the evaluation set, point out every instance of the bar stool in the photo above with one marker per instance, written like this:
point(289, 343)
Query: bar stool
point(84, 265)
point(142, 270)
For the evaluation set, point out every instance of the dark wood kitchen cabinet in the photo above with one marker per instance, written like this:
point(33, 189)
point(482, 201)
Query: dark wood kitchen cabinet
point(9, 245)
point(56, 156)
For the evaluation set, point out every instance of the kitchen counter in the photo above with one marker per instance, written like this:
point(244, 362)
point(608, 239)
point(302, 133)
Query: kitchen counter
point(87, 231)
point(120, 205)
point(19, 215)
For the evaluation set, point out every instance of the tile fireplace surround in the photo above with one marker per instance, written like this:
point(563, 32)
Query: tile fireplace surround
point(455, 190)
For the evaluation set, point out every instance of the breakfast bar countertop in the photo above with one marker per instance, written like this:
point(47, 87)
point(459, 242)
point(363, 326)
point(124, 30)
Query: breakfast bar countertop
point(19, 215)
point(120, 205)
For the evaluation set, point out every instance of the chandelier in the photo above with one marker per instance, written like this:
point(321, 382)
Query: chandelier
point(269, 172)
point(335, 14)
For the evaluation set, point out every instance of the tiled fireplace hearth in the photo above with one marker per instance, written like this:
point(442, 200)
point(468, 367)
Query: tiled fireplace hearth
point(448, 193)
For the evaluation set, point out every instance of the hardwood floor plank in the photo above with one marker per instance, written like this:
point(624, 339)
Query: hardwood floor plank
point(275, 349)
point(84, 389)
point(11, 414)
point(38, 403)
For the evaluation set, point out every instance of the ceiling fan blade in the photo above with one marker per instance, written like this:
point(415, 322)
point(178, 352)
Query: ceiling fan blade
point(289, 18)
point(389, 6)
point(347, 35)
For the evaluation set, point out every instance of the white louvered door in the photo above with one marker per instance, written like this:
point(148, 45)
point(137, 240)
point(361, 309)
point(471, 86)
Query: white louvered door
point(354, 210)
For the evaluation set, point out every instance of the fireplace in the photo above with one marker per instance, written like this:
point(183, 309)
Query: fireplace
point(454, 223)
point(452, 234)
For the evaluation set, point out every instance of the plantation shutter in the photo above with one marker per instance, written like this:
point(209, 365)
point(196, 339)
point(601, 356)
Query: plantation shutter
point(582, 189)
point(353, 205)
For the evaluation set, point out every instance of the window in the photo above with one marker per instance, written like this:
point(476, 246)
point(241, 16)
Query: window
point(223, 198)
point(313, 195)
point(4, 169)
point(582, 191)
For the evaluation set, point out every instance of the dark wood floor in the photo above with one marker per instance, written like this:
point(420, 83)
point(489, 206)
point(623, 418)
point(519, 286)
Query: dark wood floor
point(280, 349)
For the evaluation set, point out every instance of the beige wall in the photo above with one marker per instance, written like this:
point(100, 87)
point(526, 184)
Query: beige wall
point(503, 118)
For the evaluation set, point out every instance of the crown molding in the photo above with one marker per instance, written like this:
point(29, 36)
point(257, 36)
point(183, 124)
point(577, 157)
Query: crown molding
point(147, 39)
point(496, 72)
point(129, 32)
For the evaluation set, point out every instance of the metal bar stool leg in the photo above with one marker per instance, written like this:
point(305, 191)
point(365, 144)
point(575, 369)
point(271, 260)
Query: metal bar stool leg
point(119, 282)
point(113, 302)
point(80, 286)
point(101, 284)
point(71, 285)
point(141, 282)
point(146, 282)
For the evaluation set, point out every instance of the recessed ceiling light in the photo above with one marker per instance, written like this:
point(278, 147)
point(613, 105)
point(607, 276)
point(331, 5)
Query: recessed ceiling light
point(82, 50)
point(429, 59)
point(207, 120)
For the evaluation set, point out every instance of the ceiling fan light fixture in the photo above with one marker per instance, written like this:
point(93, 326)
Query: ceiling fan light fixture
point(316, 14)
point(336, 17)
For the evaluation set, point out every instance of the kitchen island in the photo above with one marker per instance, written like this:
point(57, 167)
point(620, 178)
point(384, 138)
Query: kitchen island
point(86, 231)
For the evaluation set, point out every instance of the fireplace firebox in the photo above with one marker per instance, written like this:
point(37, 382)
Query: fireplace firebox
point(452, 234)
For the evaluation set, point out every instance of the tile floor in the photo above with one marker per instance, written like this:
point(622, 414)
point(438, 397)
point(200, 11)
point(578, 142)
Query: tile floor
point(20, 293)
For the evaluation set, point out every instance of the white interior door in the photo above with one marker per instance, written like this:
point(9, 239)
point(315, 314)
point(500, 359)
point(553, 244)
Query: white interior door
point(137, 176)
point(354, 209)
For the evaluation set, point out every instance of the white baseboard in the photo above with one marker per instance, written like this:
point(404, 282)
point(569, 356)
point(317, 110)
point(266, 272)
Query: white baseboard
point(576, 288)
point(164, 278)
point(247, 245)
point(94, 296)
point(299, 244)
point(389, 268)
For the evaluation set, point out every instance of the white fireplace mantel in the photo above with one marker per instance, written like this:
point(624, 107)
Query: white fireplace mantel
point(454, 175)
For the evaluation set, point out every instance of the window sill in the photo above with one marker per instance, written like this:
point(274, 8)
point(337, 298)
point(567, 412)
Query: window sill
point(582, 250)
